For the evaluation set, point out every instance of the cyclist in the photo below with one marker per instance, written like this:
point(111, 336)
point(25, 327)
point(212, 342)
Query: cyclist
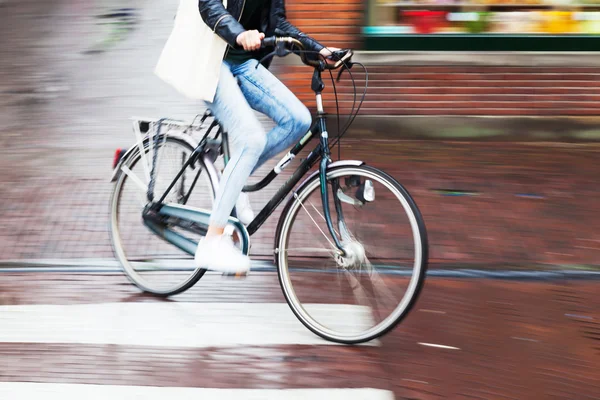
point(246, 85)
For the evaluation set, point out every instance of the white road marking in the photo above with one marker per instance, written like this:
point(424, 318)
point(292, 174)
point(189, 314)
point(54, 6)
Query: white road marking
point(579, 316)
point(432, 311)
point(52, 391)
point(162, 324)
point(416, 381)
point(439, 346)
point(524, 339)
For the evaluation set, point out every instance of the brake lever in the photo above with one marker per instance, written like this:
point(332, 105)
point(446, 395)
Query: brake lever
point(280, 51)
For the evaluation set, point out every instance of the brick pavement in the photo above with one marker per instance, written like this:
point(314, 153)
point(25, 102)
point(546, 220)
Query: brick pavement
point(484, 204)
point(532, 340)
point(65, 109)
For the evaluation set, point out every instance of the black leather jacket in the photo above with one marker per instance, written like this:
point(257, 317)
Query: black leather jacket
point(224, 22)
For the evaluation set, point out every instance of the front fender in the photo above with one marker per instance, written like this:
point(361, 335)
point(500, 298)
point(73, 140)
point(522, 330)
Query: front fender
point(336, 164)
point(342, 163)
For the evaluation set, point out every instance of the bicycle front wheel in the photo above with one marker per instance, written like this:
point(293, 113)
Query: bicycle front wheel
point(151, 263)
point(364, 293)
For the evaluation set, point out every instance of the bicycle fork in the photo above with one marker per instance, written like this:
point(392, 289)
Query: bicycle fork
point(325, 161)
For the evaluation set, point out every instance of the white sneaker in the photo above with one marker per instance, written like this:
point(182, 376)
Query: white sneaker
point(243, 209)
point(218, 253)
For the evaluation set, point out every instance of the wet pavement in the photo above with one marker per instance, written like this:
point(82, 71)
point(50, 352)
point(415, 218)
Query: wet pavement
point(71, 74)
point(466, 338)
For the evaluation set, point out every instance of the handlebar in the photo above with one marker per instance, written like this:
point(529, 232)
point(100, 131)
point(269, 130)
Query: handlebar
point(343, 61)
point(281, 44)
point(269, 42)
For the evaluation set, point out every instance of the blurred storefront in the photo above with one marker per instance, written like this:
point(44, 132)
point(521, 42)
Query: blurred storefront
point(526, 58)
point(523, 25)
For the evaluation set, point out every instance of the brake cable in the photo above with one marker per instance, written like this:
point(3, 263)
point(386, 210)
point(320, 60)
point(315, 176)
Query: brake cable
point(281, 50)
point(353, 113)
point(351, 120)
point(337, 108)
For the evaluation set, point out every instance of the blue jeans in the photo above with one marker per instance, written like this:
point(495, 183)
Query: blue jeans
point(241, 90)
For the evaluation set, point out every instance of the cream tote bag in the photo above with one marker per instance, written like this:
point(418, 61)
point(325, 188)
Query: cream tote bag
point(191, 59)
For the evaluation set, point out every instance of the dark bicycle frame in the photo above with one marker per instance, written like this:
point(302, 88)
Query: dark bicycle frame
point(320, 152)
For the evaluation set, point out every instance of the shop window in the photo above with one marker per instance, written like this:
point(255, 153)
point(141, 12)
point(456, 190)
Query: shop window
point(547, 25)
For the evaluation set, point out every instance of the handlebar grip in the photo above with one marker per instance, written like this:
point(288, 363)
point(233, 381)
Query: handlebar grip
point(268, 42)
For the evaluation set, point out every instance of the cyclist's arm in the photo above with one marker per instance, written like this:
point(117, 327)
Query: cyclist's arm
point(285, 28)
point(220, 20)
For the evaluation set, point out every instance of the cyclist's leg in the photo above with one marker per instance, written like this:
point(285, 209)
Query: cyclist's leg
point(247, 138)
point(268, 95)
point(216, 251)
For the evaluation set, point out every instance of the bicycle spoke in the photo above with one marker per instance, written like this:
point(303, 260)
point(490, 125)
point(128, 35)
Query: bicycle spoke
point(140, 195)
point(378, 270)
point(151, 262)
point(140, 143)
point(314, 222)
point(309, 250)
point(357, 289)
point(160, 151)
point(151, 152)
point(321, 215)
point(375, 276)
point(370, 282)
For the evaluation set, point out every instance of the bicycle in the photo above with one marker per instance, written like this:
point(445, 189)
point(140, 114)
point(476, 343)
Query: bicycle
point(376, 246)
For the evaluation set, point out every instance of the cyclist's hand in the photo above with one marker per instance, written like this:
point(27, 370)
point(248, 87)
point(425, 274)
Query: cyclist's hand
point(326, 52)
point(250, 40)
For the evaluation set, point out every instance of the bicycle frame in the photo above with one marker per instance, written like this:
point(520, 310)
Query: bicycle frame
point(197, 220)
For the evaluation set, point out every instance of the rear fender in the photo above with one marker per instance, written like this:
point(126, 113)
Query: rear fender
point(133, 150)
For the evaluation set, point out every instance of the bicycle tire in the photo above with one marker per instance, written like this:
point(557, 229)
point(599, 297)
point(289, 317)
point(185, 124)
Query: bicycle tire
point(285, 226)
point(115, 231)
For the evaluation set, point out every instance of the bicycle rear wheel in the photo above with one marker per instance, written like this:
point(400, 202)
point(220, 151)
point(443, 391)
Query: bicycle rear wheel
point(151, 263)
point(362, 295)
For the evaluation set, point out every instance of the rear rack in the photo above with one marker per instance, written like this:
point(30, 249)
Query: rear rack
point(144, 125)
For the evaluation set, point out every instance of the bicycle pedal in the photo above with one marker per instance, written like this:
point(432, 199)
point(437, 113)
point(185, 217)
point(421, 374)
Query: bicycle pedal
point(235, 275)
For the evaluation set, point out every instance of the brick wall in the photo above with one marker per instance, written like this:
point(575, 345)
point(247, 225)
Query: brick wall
point(460, 90)
point(334, 22)
point(445, 88)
